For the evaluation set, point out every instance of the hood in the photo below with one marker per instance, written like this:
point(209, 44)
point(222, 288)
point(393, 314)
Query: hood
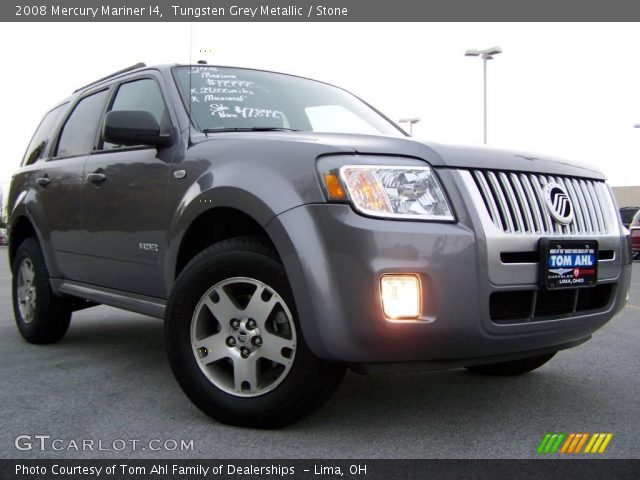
point(437, 155)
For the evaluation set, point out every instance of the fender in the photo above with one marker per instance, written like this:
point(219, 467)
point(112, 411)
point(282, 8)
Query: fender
point(196, 202)
point(20, 210)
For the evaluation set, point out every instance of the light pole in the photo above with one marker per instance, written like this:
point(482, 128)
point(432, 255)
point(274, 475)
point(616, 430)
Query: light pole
point(486, 54)
point(411, 122)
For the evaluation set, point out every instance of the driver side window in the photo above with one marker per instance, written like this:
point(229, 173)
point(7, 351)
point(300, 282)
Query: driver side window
point(143, 95)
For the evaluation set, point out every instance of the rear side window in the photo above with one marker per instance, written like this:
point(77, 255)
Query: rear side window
point(142, 95)
point(79, 133)
point(43, 135)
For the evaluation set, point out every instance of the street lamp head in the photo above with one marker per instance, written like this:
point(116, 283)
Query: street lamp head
point(486, 54)
point(492, 51)
point(409, 120)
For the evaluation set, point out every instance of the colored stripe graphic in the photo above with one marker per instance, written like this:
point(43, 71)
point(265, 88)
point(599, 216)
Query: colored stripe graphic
point(598, 443)
point(581, 443)
point(543, 443)
point(556, 445)
point(565, 447)
point(573, 443)
point(550, 443)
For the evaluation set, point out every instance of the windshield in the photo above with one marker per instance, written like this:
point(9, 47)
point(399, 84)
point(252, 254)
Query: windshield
point(224, 99)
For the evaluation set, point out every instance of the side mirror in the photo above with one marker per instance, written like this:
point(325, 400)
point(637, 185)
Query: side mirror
point(133, 127)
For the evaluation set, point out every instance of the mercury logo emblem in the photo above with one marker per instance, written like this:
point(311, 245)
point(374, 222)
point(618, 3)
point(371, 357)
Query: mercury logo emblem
point(558, 203)
point(243, 337)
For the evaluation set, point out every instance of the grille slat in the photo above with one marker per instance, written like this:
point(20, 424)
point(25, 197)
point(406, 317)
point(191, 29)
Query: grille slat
point(581, 227)
point(512, 203)
point(532, 202)
point(489, 200)
point(515, 202)
point(599, 212)
point(530, 227)
point(501, 201)
point(585, 208)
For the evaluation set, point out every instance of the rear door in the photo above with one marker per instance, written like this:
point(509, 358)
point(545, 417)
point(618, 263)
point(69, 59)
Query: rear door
point(59, 182)
point(125, 201)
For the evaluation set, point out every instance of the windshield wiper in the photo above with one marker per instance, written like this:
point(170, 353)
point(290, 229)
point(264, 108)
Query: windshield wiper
point(248, 129)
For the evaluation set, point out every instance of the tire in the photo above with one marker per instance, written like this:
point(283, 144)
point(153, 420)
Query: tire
point(41, 316)
point(515, 367)
point(216, 297)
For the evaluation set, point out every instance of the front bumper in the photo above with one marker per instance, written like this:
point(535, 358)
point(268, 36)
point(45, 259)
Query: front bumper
point(334, 259)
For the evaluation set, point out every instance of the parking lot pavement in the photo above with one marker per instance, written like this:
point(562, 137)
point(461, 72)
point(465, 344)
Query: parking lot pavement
point(109, 380)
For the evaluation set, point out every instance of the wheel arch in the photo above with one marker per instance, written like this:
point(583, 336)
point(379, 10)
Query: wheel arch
point(214, 225)
point(21, 228)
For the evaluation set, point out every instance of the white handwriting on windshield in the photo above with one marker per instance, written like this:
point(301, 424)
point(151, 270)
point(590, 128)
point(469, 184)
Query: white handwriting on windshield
point(222, 111)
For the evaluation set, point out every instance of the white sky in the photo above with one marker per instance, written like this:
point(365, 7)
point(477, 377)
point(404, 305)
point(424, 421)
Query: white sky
point(566, 89)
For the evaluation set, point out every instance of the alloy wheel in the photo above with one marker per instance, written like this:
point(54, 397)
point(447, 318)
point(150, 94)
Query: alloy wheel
point(243, 337)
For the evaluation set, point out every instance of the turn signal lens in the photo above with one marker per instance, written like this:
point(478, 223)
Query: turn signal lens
point(334, 188)
point(400, 296)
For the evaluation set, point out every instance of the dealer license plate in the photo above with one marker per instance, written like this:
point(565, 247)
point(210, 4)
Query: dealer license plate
point(568, 263)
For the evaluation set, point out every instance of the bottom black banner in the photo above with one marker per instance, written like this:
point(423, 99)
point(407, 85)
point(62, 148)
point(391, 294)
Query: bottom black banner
point(116, 469)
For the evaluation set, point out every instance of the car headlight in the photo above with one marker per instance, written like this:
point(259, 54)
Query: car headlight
point(409, 192)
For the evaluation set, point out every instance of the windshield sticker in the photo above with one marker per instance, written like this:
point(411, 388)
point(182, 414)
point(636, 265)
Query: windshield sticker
point(223, 111)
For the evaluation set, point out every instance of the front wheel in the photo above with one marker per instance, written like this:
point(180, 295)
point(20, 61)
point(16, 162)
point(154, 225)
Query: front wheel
point(514, 367)
point(234, 342)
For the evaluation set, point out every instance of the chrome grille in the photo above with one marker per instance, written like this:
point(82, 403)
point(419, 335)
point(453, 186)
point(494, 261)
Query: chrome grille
point(515, 203)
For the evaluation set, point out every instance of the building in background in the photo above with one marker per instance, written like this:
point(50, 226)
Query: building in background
point(2, 208)
point(627, 196)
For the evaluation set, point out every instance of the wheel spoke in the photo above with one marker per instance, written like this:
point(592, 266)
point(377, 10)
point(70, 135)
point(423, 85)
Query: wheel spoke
point(215, 347)
point(245, 370)
point(224, 309)
point(22, 292)
point(26, 271)
point(257, 308)
point(272, 348)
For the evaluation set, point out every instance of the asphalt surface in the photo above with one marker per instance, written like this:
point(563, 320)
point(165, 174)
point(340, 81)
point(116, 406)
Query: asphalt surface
point(108, 380)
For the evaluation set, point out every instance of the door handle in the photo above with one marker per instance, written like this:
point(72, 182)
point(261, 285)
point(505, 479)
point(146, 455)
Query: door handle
point(97, 177)
point(43, 181)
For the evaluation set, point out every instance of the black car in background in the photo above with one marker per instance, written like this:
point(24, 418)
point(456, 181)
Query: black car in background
point(627, 213)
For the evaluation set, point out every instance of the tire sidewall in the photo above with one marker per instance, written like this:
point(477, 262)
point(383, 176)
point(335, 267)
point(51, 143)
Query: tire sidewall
point(31, 250)
point(188, 291)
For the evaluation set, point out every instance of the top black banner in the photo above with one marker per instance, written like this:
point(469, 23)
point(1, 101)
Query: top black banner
point(317, 10)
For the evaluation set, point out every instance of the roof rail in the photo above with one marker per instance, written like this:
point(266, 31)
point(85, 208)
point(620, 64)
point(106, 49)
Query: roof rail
point(124, 70)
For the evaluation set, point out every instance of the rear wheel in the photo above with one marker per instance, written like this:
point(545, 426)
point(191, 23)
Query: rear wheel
point(234, 341)
point(41, 316)
point(514, 367)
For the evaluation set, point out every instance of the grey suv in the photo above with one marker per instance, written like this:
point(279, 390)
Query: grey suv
point(286, 231)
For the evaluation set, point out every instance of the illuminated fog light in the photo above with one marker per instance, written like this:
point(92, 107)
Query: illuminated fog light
point(400, 296)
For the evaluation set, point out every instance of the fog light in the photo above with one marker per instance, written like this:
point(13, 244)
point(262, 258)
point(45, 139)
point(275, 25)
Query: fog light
point(400, 296)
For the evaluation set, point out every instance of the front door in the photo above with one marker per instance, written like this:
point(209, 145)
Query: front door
point(125, 208)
